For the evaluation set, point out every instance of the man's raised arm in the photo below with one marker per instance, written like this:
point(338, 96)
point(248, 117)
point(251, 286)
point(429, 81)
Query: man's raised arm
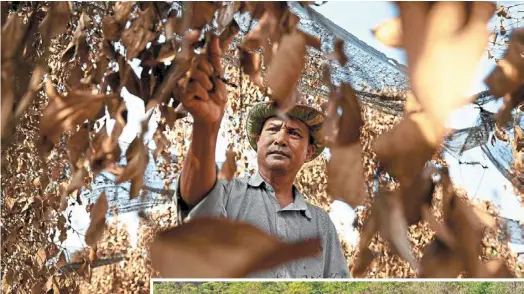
point(205, 99)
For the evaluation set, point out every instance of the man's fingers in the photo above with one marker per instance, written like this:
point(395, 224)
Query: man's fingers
point(219, 94)
point(206, 67)
point(214, 46)
point(202, 79)
point(194, 88)
point(215, 55)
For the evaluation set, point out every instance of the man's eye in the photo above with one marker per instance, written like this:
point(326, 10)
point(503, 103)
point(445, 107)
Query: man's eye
point(295, 133)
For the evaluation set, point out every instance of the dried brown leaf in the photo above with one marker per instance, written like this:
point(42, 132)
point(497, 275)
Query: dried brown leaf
point(8, 96)
point(171, 115)
point(238, 250)
point(345, 172)
point(105, 150)
point(331, 123)
point(392, 225)
point(435, 49)
point(178, 71)
point(494, 269)
point(493, 37)
point(167, 53)
point(101, 67)
point(137, 159)
point(228, 35)
point(172, 26)
point(96, 228)
point(286, 67)
point(127, 78)
point(64, 197)
point(500, 133)
point(265, 30)
point(486, 218)
point(518, 138)
point(77, 146)
point(111, 29)
point(203, 12)
point(41, 257)
point(339, 54)
point(389, 33)
point(122, 9)
point(78, 46)
point(254, 8)
point(251, 64)
point(418, 195)
point(311, 40)
point(77, 181)
point(92, 254)
point(74, 80)
point(37, 288)
point(55, 21)
point(464, 225)
point(511, 101)
point(404, 150)
point(84, 270)
point(508, 75)
point(362, 262)
point(440, 261)
point(161, 141)
point(16, 29)
point(63, 113)
point(502, 30)
point(351, 119)
point(61, 260)
point(441, 230)
point(501, 12)
point(141, 32)
point(226, 13)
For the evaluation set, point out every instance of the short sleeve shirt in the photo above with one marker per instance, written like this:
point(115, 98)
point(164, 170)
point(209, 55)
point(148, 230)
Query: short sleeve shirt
point(252, 200)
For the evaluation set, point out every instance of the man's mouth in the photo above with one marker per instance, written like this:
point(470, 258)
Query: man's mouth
point(279, 153)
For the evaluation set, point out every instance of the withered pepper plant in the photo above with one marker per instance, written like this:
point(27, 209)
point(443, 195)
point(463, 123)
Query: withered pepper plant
point(64, 65)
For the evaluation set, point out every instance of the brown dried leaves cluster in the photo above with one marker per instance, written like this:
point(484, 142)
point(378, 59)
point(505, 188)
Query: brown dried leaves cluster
point(507, 79)
point(22, 67)
point(405, 150)
point(284, 49)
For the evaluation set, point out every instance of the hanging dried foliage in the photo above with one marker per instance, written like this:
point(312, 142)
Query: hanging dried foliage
point(64, 66)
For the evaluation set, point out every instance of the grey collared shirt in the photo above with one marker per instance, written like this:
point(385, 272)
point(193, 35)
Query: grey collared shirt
point(253, 201)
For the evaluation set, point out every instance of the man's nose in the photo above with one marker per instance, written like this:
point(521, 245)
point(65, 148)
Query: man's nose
point(281, 138)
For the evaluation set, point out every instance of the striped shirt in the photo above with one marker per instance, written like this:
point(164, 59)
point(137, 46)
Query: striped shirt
point(252, 200)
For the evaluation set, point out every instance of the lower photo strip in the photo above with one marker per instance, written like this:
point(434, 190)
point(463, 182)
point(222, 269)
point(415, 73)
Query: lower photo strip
point(165, 286)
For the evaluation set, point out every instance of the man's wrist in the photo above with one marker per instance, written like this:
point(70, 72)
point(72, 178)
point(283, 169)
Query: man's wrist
point(207, 127)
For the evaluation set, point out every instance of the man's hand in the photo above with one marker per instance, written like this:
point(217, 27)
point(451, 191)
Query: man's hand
point(444, 42)
point(206, 94)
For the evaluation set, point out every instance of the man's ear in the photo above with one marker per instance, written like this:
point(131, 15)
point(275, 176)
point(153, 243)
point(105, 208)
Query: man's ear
point(258, 139)
point(310, 151)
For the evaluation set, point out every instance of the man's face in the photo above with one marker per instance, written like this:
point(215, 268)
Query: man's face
point(284, 145)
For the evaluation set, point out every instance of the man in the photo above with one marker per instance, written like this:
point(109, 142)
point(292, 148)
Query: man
point(267, 200)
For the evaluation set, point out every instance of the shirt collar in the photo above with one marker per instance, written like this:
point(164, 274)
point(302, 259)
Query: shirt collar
point(299, 202)
point(256, 180)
